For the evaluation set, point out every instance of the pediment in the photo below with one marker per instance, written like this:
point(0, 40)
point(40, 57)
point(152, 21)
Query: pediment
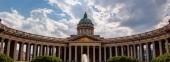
point(84, 38)
point(87, 39)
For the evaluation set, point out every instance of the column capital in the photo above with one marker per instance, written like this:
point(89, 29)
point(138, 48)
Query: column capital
point(22, 43)
point(47, 45)
point(65, 46)
point(2, 38)
point(9, 40)
point(27, 43)
point(141, 44)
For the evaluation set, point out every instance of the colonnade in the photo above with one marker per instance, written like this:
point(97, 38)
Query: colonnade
point(85, 31)
point(144, 51)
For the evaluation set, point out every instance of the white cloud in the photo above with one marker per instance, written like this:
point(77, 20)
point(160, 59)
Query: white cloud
point(40, 13)
point(163, 22)
point(99, 14)
point(37, 23)
point(13, 19)
point(165, 16)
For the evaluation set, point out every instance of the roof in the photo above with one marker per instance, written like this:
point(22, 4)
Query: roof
point(85, 20)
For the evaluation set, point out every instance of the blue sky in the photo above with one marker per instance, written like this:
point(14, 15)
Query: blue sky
point(59, 18)
point(25, 6)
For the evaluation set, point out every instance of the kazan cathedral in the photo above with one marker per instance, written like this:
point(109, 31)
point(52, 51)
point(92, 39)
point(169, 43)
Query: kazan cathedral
point(23, 46)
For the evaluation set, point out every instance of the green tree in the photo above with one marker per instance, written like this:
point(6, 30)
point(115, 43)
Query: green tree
point(5, 58)
point(46, 59)
point(122, 59)
point(162, 58)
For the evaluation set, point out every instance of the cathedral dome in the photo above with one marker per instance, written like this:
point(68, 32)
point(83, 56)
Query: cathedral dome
point(85, 20)
point(85, 26)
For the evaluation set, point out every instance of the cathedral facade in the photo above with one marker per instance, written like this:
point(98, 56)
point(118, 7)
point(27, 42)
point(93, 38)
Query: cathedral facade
point(23, 46)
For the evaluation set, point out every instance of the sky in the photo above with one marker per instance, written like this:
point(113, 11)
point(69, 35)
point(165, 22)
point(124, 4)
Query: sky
point(59, 18)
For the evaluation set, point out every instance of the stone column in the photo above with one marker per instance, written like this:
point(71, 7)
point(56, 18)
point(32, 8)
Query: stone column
point(138, 51)
point(15, 51)
point(34, 51)
point(82, 31)
point(28, 52)
point(128, 50)
point(47, 51)
point(122, 50)
point(154, 51)
point(134, 52)
point(38, 50)
point(110, 49)
point(100, 54)
point(147, 52)
point(53, 47)
point(41, 50)
point(141, 53)
point(93, 53)
point(2, 43)
point(65, 53)
point(88, 51)
point(116, 52)
point(21, 51)
point(59, 51)
point(8, 47)
point(131, 51)
point(69, 53)
point(81, 52)
point(75, 53)
point(160, 47)
point(167, 49)
point(104, 53)
point(90, 32)
point(52, 51)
